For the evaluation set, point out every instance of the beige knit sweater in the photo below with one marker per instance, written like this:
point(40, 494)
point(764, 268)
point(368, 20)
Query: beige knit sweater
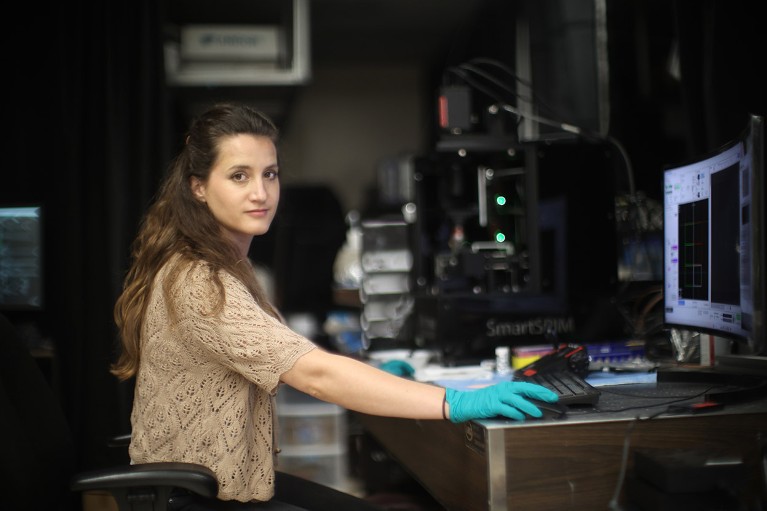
point(205, 385)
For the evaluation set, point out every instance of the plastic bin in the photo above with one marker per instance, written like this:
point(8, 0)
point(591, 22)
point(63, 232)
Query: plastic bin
point(311, 425)
point(325, 466)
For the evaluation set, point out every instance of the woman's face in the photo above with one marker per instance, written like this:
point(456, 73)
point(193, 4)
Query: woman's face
point(243, 188)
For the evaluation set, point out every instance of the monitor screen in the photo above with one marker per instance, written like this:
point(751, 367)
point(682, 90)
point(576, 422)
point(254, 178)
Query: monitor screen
point(713, 240)
point(21, 258)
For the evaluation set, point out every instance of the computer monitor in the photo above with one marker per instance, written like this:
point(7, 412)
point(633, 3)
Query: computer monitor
point(21, 258)
point(713, 233)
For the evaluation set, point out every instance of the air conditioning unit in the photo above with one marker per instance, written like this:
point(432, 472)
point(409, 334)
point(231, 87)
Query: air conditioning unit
point(236, 54)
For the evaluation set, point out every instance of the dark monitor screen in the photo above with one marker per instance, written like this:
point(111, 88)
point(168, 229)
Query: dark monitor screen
point(713, 241)
point(21, 258)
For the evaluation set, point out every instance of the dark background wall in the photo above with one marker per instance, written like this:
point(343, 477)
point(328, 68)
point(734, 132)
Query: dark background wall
point(93, 126)
point(86, 139)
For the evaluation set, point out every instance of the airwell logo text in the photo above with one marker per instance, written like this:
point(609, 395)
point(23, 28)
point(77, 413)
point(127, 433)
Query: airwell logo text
point(230, 40)
point(532, 326)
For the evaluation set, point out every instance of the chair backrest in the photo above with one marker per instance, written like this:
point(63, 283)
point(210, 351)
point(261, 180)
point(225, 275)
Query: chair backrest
point(37, 454)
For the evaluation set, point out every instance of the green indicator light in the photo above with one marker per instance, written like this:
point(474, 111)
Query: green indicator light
point(500, 237)
point(500, 200)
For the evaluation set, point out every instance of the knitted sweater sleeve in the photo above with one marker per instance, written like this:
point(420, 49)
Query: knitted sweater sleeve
point(244, 337)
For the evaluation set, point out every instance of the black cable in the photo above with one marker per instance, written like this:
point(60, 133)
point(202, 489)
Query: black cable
point(473, 83)
point(499, 83)
point(629, 167)
point(500, 65)
point(503, 67)
point(462, 71)
point(614, 503)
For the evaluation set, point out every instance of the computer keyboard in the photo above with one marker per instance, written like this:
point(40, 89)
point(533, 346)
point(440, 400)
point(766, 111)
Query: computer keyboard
point(571, 388)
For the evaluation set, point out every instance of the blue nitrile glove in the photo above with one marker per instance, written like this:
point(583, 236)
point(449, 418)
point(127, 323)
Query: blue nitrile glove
point(398, 367)
point(505, 399)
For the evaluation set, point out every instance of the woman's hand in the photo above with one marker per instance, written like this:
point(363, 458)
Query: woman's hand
point(505, 399)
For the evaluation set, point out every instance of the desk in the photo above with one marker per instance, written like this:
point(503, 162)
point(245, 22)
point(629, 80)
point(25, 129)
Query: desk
point(570, 464)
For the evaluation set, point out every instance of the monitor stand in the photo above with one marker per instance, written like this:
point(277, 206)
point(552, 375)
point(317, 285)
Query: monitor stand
point(753, 364)
point(726, 386)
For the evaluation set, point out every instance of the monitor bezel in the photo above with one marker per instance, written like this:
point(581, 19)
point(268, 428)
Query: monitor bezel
point(754, 339)
point(24, 306)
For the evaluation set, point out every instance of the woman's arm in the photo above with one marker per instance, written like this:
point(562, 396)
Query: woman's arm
point(358, 386)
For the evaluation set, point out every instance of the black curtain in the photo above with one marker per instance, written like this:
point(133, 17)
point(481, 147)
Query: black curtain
point(89, 141)
point(721, 58)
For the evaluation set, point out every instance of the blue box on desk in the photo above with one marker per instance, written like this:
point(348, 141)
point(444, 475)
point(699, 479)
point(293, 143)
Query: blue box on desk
point(616, 353)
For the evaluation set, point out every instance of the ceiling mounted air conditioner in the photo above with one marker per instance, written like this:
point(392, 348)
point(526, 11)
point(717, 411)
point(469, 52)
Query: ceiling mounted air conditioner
point(243, 55)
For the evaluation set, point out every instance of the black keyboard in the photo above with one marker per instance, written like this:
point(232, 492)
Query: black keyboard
point(571, 388)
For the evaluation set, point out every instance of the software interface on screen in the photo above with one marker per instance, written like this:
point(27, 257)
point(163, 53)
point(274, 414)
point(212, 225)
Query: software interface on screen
point(20, 258)
point(706, 236)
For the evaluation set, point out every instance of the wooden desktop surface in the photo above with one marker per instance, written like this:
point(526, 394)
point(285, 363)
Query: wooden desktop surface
point(570, 464)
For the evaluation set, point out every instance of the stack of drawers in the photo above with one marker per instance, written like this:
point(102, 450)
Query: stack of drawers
point(313, 438)
point(385, 291)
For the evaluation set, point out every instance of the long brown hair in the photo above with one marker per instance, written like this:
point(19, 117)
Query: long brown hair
point(178, 224)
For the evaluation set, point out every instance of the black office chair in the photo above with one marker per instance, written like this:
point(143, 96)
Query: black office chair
point(37, 465)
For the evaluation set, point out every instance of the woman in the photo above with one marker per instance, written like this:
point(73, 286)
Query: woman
point(208, 350)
